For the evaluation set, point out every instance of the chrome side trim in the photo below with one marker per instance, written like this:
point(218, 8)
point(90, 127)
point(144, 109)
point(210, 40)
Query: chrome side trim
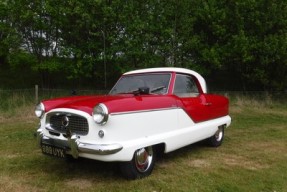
point(145, 111)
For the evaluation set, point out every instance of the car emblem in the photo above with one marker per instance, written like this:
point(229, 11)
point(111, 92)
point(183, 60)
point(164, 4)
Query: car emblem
point(65, 121)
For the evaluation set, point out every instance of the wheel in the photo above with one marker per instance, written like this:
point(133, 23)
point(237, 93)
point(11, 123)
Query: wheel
point(141, 165)
point(217, 138)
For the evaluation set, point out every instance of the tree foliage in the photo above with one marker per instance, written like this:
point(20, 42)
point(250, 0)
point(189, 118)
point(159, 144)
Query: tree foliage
point(244, 40)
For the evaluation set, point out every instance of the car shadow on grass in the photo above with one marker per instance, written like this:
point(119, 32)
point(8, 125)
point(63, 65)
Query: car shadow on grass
point(82, 168)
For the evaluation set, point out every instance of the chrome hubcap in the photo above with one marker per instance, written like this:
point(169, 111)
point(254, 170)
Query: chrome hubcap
point(219, 134)
point(143, 159)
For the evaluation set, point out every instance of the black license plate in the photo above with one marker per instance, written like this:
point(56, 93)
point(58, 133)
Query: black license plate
point(53, 151)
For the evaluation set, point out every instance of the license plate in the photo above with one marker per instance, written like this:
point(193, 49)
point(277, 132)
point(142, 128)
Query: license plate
point(53, 151)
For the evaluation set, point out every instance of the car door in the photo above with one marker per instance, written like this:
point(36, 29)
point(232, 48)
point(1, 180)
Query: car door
point(193, 102)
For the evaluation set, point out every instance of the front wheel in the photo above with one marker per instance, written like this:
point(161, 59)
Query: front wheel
point(217, 138)
point(141, 165)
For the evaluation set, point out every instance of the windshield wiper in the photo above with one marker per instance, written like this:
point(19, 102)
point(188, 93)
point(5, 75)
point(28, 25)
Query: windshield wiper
point(139, 91)
point(157, 89)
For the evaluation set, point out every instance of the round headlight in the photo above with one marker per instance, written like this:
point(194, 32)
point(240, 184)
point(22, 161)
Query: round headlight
point(100, 114)
point(40, 110)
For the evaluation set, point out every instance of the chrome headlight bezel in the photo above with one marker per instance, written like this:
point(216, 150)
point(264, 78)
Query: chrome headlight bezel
point(101, 114)
point(40, 110)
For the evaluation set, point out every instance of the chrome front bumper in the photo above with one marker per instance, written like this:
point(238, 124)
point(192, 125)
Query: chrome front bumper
point(75, 146)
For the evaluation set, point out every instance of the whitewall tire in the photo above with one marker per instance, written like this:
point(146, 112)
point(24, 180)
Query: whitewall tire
point(141, 165)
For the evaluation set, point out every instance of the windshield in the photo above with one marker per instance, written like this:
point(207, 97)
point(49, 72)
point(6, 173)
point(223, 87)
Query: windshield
point(157, 83)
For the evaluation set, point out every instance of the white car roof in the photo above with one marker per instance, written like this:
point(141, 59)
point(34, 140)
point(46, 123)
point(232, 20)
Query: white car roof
point(172, 69)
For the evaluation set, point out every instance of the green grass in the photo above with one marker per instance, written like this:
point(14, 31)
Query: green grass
point(252, 158)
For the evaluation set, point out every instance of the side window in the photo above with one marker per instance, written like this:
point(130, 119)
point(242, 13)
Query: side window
point(185, 86)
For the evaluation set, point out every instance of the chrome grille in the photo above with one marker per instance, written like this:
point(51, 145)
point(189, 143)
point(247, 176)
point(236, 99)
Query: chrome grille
point(77, 124)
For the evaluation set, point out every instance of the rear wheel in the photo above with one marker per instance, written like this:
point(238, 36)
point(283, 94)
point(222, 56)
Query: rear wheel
point(217, 138)
point(141, 165)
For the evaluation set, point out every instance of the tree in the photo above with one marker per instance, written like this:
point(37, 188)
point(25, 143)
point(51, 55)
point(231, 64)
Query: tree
point(244, 41)
point(9, 38)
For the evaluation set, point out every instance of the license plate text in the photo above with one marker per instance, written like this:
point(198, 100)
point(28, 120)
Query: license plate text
point(54, 151)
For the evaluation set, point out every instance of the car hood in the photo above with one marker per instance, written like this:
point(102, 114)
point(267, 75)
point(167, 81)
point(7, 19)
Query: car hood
point(115, 103)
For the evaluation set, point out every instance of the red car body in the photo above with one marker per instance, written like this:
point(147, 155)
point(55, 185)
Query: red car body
point(165, 108)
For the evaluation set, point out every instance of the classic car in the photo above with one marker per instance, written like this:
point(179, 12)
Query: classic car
point(148, 111)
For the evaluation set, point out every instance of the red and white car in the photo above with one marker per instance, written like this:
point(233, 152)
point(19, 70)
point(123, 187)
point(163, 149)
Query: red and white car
point(146, 110)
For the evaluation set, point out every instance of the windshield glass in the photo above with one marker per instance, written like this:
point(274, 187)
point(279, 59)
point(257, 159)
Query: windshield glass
point(157, 83)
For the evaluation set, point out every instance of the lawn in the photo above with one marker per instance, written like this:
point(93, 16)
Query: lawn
point(253, 157)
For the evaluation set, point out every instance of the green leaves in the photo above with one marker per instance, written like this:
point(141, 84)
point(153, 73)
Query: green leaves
point(246, 39)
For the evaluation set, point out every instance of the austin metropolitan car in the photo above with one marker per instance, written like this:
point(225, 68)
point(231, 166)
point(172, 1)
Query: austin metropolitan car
point(148, 111)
